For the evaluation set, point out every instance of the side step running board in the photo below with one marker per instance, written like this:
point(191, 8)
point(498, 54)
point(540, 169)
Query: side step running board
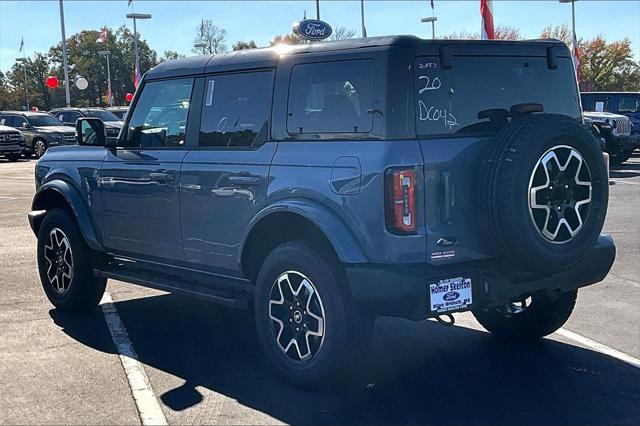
point(232, 299)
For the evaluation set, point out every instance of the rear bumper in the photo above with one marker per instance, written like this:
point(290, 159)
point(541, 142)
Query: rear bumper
point(402, 291)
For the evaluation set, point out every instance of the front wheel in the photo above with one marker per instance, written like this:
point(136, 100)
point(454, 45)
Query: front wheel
point(532, 318)
point(39, 148)
point(307, 323)
point(64, 264)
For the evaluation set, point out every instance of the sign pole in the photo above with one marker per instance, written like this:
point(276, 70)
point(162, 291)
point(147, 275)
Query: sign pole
point(65, 63)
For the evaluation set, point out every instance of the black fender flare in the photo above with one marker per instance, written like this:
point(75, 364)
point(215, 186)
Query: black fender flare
point(334, 229)
point(75, 202)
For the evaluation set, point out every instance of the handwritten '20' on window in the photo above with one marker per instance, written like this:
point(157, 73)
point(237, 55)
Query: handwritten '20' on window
point(477, 94)
point(434, 108)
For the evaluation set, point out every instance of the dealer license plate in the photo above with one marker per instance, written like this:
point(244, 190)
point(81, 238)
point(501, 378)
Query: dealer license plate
point(451, 294)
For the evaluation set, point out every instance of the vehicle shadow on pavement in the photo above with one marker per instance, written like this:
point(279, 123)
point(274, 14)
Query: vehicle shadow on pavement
point(415, 372)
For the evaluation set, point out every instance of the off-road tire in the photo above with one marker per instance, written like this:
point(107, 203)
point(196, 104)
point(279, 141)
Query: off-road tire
point(542, 317)
point(347, 329)
point(84, 290)
point(505, 176)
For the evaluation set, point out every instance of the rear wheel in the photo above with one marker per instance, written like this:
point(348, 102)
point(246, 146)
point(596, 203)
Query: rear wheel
point(39, 147)
point(64, 264)
point(307, 324)
point(532, 318)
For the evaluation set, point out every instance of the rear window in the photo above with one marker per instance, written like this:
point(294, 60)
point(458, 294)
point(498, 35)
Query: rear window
point(477, 94)
point(331, 97)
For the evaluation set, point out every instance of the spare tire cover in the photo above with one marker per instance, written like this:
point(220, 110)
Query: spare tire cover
point(543, 191)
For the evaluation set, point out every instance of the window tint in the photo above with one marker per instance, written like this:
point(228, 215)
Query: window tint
point(160, 116)
point(589, 102)
point(480, 94)
point(629, 104)
point(235, 110)
point(331, 97)
point(7, 120)
point(20, 121)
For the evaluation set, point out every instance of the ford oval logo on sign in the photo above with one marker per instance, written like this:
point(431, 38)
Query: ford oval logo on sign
point(312, 29)
point(451, 296)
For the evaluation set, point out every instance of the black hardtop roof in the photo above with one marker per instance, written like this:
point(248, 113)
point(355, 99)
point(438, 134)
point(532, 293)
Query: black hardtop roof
point(268, 57)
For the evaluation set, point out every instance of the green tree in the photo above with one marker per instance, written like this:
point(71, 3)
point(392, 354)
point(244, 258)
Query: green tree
point(211, 36)
point(286, 39)
point(342, 33)
point(244, 45)
point(559, 32)
point(170, 55)
point(502, 32)
point(609, 66)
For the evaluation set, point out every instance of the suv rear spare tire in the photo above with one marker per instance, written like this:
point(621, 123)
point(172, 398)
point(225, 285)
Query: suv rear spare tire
point(544, 192)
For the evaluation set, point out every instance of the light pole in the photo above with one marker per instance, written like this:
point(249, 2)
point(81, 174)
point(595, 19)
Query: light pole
point(318, 9)
point(573, 16)
point(433, 20)
point(26, 87)
point(65, 62)
point(135, 17)
point(106, 54)
point(200, 45)
point(364, 29)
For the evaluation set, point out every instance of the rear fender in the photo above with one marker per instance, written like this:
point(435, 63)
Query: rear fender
point(339, 235)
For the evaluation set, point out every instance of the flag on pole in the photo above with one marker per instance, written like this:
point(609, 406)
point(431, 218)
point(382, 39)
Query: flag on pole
point(103, 36)
point(108, 92)
point(21, 45)
point(432, 5)
point(486, 10)
point(136, 77)
point(575, 53)
point(129, 2)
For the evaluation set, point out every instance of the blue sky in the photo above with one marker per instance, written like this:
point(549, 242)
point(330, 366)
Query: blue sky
point(173, 24)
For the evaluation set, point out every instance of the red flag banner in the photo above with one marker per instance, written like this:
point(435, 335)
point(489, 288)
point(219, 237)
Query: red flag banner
point(486, 11)
point(575, 51)
point(103, 36)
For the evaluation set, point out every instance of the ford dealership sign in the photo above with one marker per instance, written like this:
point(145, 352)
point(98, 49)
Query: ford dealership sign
point(312, 29)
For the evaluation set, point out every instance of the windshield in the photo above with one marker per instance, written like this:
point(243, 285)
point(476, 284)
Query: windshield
point(101, 114)
point(44, 120)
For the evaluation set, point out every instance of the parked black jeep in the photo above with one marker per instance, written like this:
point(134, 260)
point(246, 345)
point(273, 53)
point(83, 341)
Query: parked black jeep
point(328, 183)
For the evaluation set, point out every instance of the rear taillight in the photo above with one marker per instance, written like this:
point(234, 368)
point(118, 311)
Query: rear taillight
point(400, 201)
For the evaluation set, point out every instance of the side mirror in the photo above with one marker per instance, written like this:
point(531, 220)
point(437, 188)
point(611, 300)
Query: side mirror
point(25, 125)
point(91, 132)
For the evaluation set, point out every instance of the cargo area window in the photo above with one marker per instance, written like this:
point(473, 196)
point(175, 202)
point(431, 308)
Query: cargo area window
point(160, 116)
point(331, 97)
point(236, 109)
point(479, 95)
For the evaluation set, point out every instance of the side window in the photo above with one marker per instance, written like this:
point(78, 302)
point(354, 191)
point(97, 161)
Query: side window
point(159, 118)
point(6, 120)
point(629, 104)
point(236, 109)
point(331, 97)
point(19, 122)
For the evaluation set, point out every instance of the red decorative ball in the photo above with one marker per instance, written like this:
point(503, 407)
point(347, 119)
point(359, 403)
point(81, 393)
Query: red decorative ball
point(52, 82)
point(129, 97)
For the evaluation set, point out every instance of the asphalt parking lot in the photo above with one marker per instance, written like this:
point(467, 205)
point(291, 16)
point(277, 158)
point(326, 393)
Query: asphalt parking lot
point(204, 365)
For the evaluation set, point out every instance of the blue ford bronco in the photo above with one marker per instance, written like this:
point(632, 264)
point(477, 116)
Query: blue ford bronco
point(320, 185)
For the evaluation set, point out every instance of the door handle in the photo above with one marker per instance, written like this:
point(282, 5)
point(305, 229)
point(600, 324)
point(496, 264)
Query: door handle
point(244, 180)
point(161, 176)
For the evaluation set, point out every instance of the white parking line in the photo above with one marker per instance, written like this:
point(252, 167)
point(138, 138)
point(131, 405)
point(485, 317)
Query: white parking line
point(592, 344)
point(146, 401)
